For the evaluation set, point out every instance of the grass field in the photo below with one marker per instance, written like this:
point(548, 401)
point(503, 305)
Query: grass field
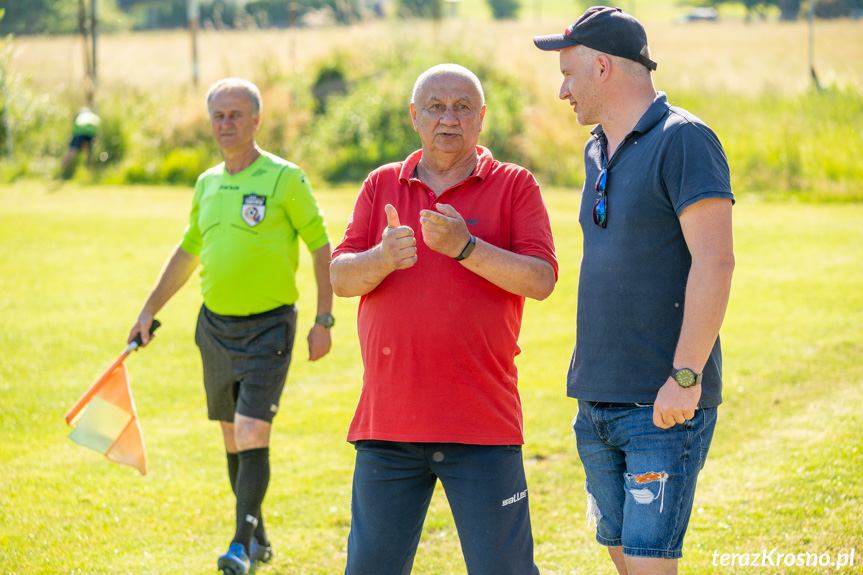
point(75, 264)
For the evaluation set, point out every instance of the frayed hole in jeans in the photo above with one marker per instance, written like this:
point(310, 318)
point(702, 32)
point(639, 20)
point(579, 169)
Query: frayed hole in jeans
point(593, 513)
point(644, 496)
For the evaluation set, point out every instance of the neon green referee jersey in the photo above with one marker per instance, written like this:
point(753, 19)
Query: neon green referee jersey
point(86, 124)
point(246, 229)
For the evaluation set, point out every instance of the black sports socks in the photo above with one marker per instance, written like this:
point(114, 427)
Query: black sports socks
point(249, 473)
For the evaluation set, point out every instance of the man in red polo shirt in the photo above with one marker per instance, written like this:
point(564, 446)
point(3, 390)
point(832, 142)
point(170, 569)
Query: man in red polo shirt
point(443, 248)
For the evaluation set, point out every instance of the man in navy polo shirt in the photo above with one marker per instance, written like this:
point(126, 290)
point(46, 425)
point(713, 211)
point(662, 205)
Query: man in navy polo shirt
point(653, 288)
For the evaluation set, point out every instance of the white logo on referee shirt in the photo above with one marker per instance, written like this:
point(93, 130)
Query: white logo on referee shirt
point(254, 208)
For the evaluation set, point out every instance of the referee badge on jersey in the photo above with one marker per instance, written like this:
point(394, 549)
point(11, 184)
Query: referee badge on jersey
point(254, 208)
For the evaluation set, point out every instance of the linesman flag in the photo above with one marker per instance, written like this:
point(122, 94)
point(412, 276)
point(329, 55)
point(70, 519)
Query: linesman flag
point(104, 418)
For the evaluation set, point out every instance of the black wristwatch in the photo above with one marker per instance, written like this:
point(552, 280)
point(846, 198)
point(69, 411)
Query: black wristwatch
point(327, 320)
point(471, 243)
point(685, 377)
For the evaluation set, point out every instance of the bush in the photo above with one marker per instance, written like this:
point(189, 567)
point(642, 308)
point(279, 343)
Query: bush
point(330, 80)
point(350, 140)
point(40, 125)
point(802, 145)
point(419, 8)
point(183, 166)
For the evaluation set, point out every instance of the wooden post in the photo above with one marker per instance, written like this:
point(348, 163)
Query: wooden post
point(88, 62)
point(194, 14)
point(812, 45)
point(93, 34)
point(292, 41)
point(7, 120)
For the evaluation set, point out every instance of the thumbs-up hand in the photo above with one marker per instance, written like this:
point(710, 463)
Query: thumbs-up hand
point(444, 231)
point(398, 244)
point(392, 216)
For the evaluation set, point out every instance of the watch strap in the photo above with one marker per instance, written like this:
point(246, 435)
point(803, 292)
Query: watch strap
point(471, 243)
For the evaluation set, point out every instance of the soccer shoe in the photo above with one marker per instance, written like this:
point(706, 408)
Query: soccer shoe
point(235, 561)
point(260, 553)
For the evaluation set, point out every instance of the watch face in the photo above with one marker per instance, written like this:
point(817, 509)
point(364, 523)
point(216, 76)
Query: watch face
point(685, 377)
point(326, 320)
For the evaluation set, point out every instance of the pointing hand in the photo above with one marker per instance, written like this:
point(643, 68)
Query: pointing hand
point(444, 231)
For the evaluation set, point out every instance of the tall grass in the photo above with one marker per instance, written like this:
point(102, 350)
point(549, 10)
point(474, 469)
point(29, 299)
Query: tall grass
point(750, 82)
point(803, 146)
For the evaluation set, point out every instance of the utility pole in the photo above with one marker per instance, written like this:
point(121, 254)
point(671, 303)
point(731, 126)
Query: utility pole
point(194, 15)
point(812, 45)
point(7, 119)
point(88, 37)
point(5, 61)
point(93, 33)
point(85, 43)
point(292, 33)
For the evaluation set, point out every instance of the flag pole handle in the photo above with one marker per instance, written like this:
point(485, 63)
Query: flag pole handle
point(137, 341)
point(88, 395)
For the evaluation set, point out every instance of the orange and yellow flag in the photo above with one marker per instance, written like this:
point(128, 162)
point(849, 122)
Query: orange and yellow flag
point(104, 418)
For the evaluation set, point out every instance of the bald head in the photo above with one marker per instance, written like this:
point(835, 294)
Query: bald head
point(447, 109)
point(442, 70)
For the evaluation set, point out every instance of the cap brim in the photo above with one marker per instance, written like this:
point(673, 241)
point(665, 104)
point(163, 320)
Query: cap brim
point(553, 42)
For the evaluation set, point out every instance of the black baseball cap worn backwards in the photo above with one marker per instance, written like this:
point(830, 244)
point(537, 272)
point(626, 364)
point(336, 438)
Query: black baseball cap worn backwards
point(608, 30)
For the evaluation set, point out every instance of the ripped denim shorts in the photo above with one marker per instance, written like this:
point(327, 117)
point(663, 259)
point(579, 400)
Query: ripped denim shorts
point(640, 479)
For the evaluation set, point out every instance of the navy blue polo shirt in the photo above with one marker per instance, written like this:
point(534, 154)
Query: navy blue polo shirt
point(633, 274)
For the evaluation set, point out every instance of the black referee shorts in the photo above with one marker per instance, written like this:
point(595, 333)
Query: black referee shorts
point(80, 140)
point(245, 360)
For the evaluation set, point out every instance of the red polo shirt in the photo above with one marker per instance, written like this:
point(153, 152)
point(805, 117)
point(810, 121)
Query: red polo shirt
point(438, 341)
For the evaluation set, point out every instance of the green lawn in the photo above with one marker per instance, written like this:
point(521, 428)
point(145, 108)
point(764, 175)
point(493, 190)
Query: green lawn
point(76, 263)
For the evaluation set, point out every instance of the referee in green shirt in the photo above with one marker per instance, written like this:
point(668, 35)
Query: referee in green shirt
point(247, 218)
point(85, 128)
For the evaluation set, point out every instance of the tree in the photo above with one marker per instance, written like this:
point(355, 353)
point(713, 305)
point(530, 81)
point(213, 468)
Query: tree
point(38, 17)
point(790, 9)
point(504, 9)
